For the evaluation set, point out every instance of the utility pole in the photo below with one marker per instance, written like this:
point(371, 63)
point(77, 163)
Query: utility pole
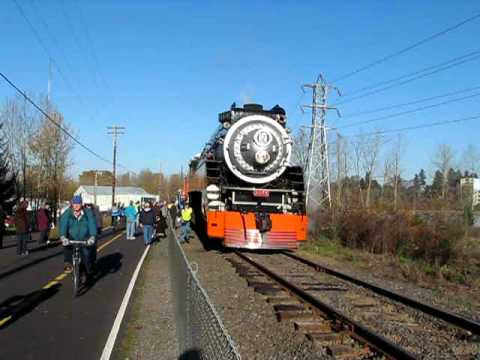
point(49, 85)
point(318, 171)
point(115, 131)
point(95, 184)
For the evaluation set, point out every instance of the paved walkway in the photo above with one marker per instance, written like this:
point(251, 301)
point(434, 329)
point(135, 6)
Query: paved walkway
point(148, 331)
point(40, 319)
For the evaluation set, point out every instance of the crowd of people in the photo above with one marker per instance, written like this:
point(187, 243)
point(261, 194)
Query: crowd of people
point(42, 218)
point(83, 222)
point(151, 219)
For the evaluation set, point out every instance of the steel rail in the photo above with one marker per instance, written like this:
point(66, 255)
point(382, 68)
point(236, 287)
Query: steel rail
point(356, 330)
point(444, 315)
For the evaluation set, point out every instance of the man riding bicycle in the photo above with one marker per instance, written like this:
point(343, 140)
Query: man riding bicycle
point(78, 223)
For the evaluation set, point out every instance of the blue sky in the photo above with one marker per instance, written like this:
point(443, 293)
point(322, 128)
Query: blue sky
point(165, 69)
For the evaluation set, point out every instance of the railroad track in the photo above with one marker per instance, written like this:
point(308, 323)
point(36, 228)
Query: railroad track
point(351, 319)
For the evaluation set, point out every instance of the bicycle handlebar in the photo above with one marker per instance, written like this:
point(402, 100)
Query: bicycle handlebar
point(75, 242)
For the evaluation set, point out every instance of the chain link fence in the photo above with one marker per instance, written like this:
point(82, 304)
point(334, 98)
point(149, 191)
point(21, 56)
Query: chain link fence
point(200, 332)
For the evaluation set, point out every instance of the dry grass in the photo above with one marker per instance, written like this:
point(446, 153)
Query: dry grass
point(420, 248)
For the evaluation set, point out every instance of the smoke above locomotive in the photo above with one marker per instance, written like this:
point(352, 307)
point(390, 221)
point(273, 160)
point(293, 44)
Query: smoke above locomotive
point(253, 143)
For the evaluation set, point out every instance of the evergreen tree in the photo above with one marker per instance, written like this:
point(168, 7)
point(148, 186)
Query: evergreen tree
point(422, 177)
point(453, 181)
point(416, 187)
point(7, 176)
point(416, 182)
point(437, 184)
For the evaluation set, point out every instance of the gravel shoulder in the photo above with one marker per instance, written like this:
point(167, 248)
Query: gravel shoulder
point(249, 319)
point(148, 330)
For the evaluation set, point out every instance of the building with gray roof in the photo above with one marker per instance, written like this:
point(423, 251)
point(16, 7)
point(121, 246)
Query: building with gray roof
point(102, 195)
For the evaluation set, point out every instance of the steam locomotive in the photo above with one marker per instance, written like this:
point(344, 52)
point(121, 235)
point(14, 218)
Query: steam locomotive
point(242, 186)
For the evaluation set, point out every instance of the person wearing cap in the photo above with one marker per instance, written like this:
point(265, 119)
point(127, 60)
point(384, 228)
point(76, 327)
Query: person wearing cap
point(78, 223)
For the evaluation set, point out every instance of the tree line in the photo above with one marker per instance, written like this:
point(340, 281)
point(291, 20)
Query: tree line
point(36, 159)
point(369, 172)
point(35, 153)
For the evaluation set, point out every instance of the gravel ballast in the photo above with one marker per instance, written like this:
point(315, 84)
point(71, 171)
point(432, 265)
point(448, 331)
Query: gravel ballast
point(249, 319)
point(429, 338)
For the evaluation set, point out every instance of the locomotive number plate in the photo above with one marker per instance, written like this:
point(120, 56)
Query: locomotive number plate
point(261, 193)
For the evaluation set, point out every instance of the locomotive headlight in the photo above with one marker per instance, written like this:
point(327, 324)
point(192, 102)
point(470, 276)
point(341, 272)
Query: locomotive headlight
point(262, 157)
point(213, 192)
point(213, 196)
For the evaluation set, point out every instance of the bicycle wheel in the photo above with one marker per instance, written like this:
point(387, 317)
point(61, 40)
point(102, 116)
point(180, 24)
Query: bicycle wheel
point(76, 277)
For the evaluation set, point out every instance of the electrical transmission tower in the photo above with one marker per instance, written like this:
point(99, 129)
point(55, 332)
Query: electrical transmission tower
point(115, 131)
point(318, 170)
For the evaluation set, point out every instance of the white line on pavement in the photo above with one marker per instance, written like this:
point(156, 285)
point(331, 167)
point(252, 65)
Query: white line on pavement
point(107, 351)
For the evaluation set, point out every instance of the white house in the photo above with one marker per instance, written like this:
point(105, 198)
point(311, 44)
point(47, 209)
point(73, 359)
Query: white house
point(474, 186)
point(102, 195)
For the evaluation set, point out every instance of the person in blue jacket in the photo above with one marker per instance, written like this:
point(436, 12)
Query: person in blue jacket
point(131, 218)
point(78, 223)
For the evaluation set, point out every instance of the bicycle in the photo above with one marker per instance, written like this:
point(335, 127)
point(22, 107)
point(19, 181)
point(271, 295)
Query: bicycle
point(76, 264)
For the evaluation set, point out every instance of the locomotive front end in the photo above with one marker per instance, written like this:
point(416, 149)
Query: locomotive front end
point(252, 196)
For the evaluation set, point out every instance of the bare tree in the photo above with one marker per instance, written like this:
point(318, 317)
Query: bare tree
point(443, 160)
point(471, 159)
point(20, 123)
point(341, 168)
point(51, 149)
point(370, 151)
point(356, 160)
point(393, 168)
point(300, 148)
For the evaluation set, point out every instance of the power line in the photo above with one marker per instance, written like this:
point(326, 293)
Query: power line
point(45, 49)
point(415, 127)
point(435, 69)
point(409, 111)
point(65, 131)
point(408, 48)
point(79, 44)
point(390, 107)
point(425, 69)
point(91, 47)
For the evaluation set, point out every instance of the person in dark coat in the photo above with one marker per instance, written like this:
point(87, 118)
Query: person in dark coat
point(44, 223)
point(147, 221)
point(173, 214)
point(160, 220)
point(3, 216)
point(22, 227)
point(98, 217)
